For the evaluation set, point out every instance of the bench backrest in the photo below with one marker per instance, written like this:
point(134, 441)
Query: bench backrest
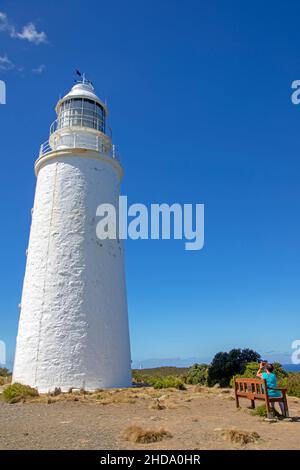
point(250, 388)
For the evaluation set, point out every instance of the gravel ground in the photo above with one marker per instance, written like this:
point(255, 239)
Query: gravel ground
point(194, 418)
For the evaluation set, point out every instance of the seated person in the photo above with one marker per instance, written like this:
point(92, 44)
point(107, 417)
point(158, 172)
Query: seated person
point(266, 371)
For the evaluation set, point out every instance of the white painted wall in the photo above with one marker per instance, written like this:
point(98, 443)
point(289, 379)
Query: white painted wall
point(73, 329)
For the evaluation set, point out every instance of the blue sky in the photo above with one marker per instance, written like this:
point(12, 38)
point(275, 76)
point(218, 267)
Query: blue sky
point(199, 99)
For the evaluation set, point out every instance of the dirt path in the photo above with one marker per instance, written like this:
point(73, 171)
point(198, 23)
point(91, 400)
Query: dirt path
point(193, 417)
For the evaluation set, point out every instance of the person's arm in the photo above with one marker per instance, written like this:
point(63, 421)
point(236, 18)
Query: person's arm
point(260, 370)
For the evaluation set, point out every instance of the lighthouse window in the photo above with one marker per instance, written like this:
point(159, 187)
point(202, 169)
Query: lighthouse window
point(82, 112)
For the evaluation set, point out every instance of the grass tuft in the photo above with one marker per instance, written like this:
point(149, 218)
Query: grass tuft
point(145, 436)
point(240, 437)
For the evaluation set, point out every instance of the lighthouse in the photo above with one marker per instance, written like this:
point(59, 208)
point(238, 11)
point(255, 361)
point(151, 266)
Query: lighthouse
point(73, 327)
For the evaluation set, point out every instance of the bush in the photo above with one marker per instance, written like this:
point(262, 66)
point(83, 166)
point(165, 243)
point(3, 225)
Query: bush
point(293, 384)
point(18, 392)
point(225, 365)
point(197, 374)
point(138, 377)
point(168, 382)
point(157, 378)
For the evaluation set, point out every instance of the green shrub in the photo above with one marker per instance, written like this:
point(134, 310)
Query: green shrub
point(197, 374)
point(293, 384)
point(168, 382)
point(162, 377)
point(250, 372)
point(138, 377)
point(18, 392)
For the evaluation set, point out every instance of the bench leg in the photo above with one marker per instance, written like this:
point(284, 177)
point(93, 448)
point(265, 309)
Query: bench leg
point(252, 404)
point(237, 401)
point(286, 409)
point(270, 414)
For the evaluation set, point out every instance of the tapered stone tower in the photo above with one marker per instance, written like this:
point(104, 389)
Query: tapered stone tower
point(73, 327)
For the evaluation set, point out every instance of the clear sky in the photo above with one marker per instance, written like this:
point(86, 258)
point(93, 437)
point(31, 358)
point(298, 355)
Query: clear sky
point(199, 99)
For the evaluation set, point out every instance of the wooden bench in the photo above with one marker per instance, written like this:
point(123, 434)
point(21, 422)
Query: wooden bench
point(256, 389)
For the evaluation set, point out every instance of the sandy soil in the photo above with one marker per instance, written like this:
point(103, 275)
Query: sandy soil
point(194, 417)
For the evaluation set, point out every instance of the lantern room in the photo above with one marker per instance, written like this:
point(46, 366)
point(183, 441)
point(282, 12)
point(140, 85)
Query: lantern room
point(81, 107)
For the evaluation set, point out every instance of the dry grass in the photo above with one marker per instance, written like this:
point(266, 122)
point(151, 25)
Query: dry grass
point(114, 399)
point(103, 397)
point(139, 435)
point(157, 400)
point(200, 388)
point(156, 405)
point(240, 437)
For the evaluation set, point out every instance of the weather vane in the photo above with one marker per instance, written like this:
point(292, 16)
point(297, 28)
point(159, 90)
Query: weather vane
point(83, 77)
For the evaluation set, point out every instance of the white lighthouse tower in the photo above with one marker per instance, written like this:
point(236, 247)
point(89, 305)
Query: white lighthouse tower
point(73, 328)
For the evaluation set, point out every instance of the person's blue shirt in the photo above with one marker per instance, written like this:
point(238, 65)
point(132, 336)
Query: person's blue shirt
point(271, 382)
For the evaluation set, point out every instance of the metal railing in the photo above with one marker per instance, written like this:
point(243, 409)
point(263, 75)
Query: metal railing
point(79, 141)
point(79, 120)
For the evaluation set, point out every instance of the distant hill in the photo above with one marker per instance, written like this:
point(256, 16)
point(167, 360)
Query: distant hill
point(169, 362)
point(165, 371)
